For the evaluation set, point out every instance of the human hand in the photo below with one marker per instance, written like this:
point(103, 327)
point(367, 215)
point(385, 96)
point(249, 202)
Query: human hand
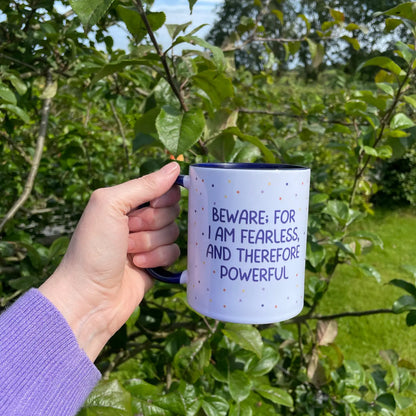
point(101, 280)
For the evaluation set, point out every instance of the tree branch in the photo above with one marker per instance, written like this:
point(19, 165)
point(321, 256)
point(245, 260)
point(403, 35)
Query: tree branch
point(17, 147)
point(304, 318)
point(162, 56)
point(291, 115)
point(36, 158)
point(121, 129)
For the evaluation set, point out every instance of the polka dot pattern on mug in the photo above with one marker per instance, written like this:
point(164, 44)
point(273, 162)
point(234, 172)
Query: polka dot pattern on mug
point(249, 236)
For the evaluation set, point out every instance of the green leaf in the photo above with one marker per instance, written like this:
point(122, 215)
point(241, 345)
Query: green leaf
point(217, 53)
point(315, 254)
point(140, 388)
point(352, 26)
point(402, 284)
point(240, 385)
point(279, 15)
point(410, 99)
point(7, 95)
point(405, 10)
point(134, 23)
point(246, 336)
point(120, 65)
point(217, 86)
point(191, 5)
point(174, 30)
point(317, 52)
point(387, 401)
point(222, 146)
point(411, 318)
point(191, 360)
point(307, 22)
point(411, 269)
point(387, 88)
point(367, 235)
point(108, 398)
point(17, 83)
point(337, 15)
point(404, 303)
point(90, 12)
point(58, 247)
point(338, 210)
point(406, 52)
point(275, 394)
point(391, 24)
point(50, 90)
point(385, 63)
point(353, 42)
point(370, 271)
point(260, 367)
point(17, 111)
point(267, 153)
point(240, 409)
point(401, 121)
point(215, 405)
point(178, 130)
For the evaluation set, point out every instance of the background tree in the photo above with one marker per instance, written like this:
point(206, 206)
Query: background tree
point(260, 29)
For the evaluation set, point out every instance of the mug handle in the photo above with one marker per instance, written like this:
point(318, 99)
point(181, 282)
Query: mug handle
point(159, 273)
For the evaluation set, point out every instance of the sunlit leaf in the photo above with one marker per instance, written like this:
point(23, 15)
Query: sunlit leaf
point(401, 121)
point(246, 336)
point(90, 12)
point(179, 130)
point(275, 394)
point(240, 385)
point(385, 63)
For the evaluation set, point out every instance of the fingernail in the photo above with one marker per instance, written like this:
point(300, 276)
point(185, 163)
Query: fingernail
point(169, 168)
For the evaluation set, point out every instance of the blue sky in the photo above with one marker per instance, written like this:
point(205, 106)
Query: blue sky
point(177, 12)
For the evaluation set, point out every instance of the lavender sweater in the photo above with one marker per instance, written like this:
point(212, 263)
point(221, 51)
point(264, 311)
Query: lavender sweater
point(43, 371)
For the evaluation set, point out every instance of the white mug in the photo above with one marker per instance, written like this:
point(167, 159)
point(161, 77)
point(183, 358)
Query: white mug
point(247, 232)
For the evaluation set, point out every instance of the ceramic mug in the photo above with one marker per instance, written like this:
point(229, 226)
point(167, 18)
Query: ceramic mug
point(247, 235)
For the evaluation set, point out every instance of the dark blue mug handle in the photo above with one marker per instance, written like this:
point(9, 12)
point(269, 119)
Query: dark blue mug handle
point(159, 273)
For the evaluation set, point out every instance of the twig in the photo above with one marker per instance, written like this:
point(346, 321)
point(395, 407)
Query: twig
point(36, 158)
point(384, 122)
point(303, 318)
point(17, 147)
point(291, 115)
point(162, 56)
point(120, 127)
point(18, 61)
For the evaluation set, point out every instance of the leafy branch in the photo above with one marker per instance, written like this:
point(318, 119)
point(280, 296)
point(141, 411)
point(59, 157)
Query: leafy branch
point(169, 77)
point(46, 107)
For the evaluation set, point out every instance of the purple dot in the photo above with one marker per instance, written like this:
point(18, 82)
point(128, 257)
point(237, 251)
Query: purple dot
point(287, 183)
point(262, 305)
point(212, 186)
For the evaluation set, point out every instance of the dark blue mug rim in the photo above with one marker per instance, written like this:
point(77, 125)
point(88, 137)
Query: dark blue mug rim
point(248, 166)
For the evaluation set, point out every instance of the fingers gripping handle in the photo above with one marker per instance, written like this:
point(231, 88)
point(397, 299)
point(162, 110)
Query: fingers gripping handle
point(159, 273)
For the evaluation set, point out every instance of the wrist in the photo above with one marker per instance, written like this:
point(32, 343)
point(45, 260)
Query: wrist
point(85, 320)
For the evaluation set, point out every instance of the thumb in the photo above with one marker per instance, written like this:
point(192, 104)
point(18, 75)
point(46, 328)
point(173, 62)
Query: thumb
point(129, 195)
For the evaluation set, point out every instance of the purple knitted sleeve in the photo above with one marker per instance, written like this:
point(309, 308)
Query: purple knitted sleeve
point(43, 371)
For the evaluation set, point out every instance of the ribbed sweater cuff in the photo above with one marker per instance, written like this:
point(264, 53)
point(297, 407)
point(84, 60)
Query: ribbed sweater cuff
point(43, 371)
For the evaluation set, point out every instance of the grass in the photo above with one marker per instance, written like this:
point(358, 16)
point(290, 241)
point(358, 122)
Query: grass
point(362, 338)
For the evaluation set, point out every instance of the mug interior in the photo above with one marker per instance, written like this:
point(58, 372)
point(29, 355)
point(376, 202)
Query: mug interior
point(249, 166)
